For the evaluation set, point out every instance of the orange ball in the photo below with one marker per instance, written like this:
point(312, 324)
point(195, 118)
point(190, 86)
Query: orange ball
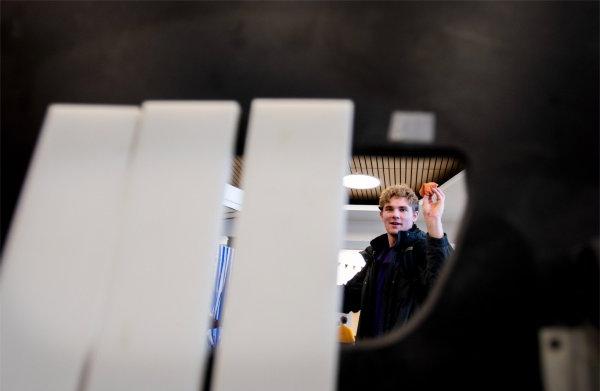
point(427, 188)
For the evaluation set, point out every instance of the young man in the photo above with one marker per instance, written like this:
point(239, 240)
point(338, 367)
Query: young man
point(401, 265)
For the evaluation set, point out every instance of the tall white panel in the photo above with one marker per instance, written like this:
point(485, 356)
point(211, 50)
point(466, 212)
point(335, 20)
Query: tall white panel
point(59, 252)
point(279, 325)
point(155, 335)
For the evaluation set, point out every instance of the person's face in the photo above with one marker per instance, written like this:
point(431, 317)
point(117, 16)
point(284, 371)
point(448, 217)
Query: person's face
point(397, 215)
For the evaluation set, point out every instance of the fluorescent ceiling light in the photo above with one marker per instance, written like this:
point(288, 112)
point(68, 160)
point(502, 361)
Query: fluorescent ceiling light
point(360, 181)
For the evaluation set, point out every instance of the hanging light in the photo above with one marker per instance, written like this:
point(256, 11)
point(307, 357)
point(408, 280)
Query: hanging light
point(355, 181)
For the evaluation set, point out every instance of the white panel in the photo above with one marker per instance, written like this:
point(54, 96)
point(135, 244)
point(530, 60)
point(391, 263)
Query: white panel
point(412, 126)
point(279, 325)
point(569, 358)
point(155, 335)
point(59, 251)
point(233, 197)
point(454, 206)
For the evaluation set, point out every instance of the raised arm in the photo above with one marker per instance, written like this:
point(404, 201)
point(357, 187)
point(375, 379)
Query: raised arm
point(433, 209)
point(438, 248)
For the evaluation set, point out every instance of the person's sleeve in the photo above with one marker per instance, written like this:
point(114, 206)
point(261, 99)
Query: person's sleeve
point(437, 252)
point(353, 288)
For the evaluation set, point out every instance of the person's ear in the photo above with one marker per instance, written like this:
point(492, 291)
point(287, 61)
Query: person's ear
point(415, 216)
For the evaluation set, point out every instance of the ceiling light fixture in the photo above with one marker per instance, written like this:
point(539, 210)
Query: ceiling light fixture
point(360, 181)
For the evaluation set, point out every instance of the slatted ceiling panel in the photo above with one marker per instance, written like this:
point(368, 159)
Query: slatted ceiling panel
point(380, 161)
point(427, 170)
point(357, 170)
point(369, 169)
point(363, 168)
point(416, 168)
point(443, 166)
point(373, 172)
point(415, 177)
point(390, 170)
point(411, 172)
point(453, 164)
point(380, 172)
point(236, 172)
point(416, 171)
point(401, 172)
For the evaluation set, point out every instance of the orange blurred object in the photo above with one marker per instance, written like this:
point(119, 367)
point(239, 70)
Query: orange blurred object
point(427, 188)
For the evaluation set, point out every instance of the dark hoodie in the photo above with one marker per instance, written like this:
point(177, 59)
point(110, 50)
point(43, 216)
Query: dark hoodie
point(406, 283)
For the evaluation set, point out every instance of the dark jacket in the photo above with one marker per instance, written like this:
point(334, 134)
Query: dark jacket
point(418, 261)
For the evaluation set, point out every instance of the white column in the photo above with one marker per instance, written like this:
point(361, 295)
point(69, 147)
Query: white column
point(155, 333)
point(60, 249)
point(279, 325)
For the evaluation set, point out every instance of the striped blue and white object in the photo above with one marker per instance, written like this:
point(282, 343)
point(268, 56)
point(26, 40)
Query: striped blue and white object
point(222, 272)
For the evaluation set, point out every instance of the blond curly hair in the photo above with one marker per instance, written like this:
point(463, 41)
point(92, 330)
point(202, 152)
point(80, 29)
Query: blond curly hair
point(400, 191)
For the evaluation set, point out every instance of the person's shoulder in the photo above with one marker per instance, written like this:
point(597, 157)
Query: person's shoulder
point(379, 243)
point(367, 253)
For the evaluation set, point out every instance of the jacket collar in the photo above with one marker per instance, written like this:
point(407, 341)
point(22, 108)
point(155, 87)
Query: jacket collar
point(404, 239)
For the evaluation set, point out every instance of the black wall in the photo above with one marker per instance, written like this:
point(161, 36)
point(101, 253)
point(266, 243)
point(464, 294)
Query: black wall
point(514, 86)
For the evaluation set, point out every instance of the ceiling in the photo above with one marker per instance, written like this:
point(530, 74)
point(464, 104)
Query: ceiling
point(391, 170)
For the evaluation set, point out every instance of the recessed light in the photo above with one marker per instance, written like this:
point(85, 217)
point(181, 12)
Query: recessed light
point(360, 181)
